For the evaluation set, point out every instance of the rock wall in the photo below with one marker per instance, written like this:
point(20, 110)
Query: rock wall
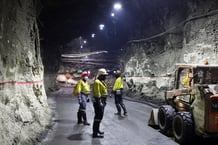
point(23, 103)
point(189, 35)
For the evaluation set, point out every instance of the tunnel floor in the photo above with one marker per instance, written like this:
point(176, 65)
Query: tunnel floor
point(118, 130)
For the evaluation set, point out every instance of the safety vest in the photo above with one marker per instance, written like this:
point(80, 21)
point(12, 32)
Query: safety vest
point(118, 84)
point(185, 81)
point(99, 89)
point(83, 87)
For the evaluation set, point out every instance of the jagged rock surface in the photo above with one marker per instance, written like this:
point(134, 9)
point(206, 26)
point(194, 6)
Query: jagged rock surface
point(23, 102)
point(188, 34)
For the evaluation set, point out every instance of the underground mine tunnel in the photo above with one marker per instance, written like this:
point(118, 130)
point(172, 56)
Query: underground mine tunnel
point(46, 44)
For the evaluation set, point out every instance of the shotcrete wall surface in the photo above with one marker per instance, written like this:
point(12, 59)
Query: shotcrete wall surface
point(23, 103)
point(191, 40)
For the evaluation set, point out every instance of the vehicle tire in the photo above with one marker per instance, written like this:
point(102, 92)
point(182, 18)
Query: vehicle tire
point(165, 117)
point(183, 130)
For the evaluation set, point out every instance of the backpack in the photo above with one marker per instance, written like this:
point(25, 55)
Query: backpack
point(75, 90)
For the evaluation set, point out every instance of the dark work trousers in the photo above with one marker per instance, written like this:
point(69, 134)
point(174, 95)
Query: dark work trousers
point(81, 114)
point(119, 103)
point(99, 113)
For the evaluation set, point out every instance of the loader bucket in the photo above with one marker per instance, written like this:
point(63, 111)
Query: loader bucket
point(153, 120)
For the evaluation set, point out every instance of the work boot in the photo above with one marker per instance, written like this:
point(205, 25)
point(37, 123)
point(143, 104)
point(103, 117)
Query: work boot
point(118, 113)
point(96, 130)
point(79, 117)
point(118, 109)
point(95, 135)
point(101, 132)
point(86, 123)
point(85, 118)
point(124, 109)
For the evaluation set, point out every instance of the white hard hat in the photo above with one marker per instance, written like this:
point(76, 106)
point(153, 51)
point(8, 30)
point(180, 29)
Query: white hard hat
point(118, 72)
point(102, 71)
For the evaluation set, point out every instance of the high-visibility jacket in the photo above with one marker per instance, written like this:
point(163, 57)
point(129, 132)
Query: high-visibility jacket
point(99, 89)
point(185, 81)
point(83, 87)
point(118, 84)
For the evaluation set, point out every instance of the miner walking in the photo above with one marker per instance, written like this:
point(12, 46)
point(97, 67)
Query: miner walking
point(118, 93)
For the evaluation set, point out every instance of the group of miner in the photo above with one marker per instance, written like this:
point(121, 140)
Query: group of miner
point(99, 98)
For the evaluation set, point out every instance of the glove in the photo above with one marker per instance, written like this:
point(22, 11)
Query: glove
point(101, 104)
point(122, 91)
point(87, 99)
point(113, 92)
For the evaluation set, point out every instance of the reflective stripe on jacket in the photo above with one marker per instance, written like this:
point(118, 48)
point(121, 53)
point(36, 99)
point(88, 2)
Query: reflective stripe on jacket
point(99, 89)
point(118, 84)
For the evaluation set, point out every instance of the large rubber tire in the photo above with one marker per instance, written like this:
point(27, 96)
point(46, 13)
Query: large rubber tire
point(165, 117)
point(183, 130)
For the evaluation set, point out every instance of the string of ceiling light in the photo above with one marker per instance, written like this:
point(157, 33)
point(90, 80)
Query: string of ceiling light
point(117, 6)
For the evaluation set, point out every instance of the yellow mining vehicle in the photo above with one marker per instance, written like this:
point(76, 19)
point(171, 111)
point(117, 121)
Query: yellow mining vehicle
point(192, 106)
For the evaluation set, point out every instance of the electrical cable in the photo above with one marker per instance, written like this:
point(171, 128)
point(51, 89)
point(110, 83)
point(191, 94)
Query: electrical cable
point(214, 12)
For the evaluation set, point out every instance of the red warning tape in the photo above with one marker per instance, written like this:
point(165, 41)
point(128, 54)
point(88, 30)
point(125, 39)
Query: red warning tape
point(20, 82)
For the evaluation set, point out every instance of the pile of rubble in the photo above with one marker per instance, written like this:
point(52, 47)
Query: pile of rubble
point(67, 79)
point(146, 89)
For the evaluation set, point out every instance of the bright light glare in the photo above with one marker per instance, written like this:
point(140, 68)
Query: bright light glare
point(117, 6)
point(101, 26)
point(84, 41)
point(93, 35)
point(112, 14)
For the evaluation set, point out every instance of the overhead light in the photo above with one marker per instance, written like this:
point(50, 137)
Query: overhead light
point(101, 26)
point(93, 35)
point(84, 41)
point(117, 6)
point(112, 14)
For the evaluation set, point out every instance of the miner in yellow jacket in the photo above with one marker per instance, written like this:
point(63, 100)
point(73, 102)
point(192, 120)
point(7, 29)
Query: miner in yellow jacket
point(187, 78)
point(118, 93)
point(100, 94)
point(83, 91)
